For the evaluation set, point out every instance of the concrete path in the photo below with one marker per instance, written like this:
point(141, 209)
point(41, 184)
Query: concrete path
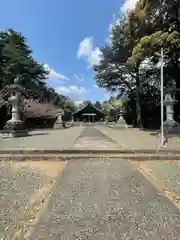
point(136, 139)
point(91, 138)
point(44, 140)
point(107, 200)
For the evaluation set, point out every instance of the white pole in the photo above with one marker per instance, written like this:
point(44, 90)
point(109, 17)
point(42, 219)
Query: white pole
point(162, 98)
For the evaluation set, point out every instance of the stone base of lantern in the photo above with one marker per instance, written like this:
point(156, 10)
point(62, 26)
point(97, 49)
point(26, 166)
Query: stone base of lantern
point(58, 126)
point(59, 123)
point(171, 127)
point(14, 129)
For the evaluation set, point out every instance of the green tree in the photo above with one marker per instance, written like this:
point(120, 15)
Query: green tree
point(16, 61)
point(98, 105)
point(69, 107)
point(129, 63)
point(160, 24)
point(115, 106)
point(114, 71)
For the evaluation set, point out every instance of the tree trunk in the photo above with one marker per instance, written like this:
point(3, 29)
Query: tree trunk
point(138, 104)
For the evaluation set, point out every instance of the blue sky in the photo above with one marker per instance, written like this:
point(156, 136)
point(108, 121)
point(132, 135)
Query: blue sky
point(64, 35)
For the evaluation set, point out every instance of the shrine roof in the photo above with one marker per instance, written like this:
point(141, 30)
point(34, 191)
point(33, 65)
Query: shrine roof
point(89, 105)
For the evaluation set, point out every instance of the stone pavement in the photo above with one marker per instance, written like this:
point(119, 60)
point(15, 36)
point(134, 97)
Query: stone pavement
point(91, 138)
point(44, 140)
point(101, 199)
point(136, 139)
point(86, 137)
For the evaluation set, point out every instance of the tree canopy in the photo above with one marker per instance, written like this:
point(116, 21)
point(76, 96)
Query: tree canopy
point(130, 62)
point(16, 60)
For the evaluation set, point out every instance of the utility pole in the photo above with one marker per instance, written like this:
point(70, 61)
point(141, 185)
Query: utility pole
point(162, 97)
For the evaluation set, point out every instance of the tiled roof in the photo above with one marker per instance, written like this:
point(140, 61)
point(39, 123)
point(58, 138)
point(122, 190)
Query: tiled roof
point(89, 104)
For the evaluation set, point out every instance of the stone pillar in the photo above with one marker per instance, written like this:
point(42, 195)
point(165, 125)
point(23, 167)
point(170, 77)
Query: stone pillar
point(15, 127)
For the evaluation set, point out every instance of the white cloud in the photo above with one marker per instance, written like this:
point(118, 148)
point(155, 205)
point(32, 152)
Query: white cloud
point(80, 78)
point(86, 49)
point(128, 5)
point(77, 103)
point(74, 92)
point(68, 89)
point(54, 74)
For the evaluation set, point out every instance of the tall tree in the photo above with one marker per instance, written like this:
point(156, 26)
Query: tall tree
point(114, 72)
point(133, 31)
point(17, 61)
point(160, 23)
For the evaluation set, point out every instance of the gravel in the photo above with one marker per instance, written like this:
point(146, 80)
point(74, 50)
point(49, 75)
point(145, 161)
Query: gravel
point(22, 191)
point(104, 199)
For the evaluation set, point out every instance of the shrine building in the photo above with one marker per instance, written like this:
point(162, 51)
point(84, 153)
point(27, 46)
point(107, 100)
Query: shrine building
point(89, 113)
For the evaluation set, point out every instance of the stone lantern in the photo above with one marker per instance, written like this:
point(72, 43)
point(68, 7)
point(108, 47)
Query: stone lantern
point(15, 127)
point(170, 125)
point(59, 122)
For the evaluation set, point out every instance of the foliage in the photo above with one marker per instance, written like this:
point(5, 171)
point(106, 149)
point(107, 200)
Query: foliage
point(98, 105)
point(130, 63)
point(69, 107)
point(114, 108)
point(112, 73)
point(165, 33)
point(16, 60)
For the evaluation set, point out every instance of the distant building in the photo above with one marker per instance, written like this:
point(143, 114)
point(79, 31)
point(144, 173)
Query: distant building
point(89, 113)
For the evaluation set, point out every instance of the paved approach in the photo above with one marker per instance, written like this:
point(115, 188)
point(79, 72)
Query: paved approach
point(107, 199)
point(91, 138)
point(136, 139)
point(43, 140)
